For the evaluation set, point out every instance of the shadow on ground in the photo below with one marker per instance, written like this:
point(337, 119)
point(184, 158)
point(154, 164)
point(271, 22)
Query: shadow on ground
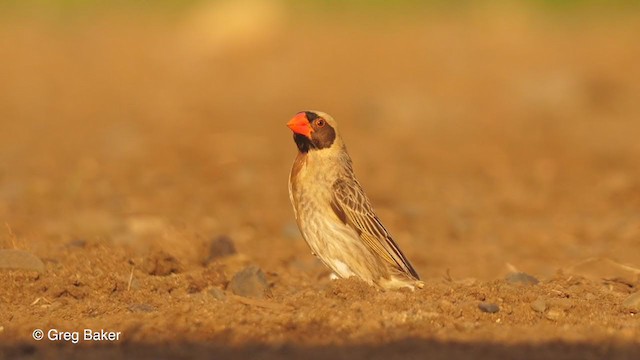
point(407, 349)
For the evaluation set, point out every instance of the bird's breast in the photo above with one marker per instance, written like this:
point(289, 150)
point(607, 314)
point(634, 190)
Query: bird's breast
point(310, 187)
point(313, 179)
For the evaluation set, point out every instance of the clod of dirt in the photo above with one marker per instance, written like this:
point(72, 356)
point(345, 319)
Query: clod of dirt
point(196, 284)
point(539, 305)
point(77, 292)
point(141, 308)
point(632, 302)
point(162, 264)
point(215, 275)
point(250, 282)
point(217, 294)
point(521, 278)
point(488, 307)
point(14, 259)
point(351, 289)
point(220, 247)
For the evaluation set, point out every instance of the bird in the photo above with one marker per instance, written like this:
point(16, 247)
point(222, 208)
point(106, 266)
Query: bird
point(333, 213)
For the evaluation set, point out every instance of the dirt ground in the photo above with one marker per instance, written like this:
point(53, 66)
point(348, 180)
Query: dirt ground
point(144, 159)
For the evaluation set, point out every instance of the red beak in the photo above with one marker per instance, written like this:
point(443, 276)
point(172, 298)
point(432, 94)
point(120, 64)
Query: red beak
point(300, 125)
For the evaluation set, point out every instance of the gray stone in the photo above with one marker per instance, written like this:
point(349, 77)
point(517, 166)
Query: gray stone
point(521, 278)
point(14, 259)
point(488, 307)
point(221, 246)
point(249, 282)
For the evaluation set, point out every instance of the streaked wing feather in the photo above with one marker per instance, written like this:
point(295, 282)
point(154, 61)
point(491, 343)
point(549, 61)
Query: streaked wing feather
point(352, 207)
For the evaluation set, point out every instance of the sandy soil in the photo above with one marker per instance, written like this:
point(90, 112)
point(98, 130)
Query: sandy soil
point(144, 160)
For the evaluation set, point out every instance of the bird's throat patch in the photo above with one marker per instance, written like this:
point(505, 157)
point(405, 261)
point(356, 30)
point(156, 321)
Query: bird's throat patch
point(302, 142)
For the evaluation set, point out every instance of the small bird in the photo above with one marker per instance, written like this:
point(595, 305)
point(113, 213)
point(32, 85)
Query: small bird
point(334, 214)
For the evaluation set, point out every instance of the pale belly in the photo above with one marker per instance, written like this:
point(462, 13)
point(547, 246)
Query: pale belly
point(337, 245)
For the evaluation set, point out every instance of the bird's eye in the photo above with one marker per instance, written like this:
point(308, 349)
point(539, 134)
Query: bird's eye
point(320, 123)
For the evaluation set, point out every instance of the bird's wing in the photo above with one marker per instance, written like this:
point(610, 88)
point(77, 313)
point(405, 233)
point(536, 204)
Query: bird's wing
point(351, 206)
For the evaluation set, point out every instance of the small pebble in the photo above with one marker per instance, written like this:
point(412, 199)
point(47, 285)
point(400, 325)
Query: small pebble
point(249, 282)
point(466, 281)
point(141, 308)
point(554, 314)
point(521, 278)
point(217, 294)
point(14, 259)
point(221, 246)
point(632, 302)
point(488, 307)
point(539, 305)
point(465, 326)
point(77, 243)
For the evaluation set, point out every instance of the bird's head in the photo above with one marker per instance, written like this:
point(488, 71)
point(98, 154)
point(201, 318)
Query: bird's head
point(313, 130)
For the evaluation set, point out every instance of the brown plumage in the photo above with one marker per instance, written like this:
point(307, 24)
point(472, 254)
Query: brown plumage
point(333, 213)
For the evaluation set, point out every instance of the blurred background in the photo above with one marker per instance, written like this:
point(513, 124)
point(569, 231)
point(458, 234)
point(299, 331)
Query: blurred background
point(485, 133)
